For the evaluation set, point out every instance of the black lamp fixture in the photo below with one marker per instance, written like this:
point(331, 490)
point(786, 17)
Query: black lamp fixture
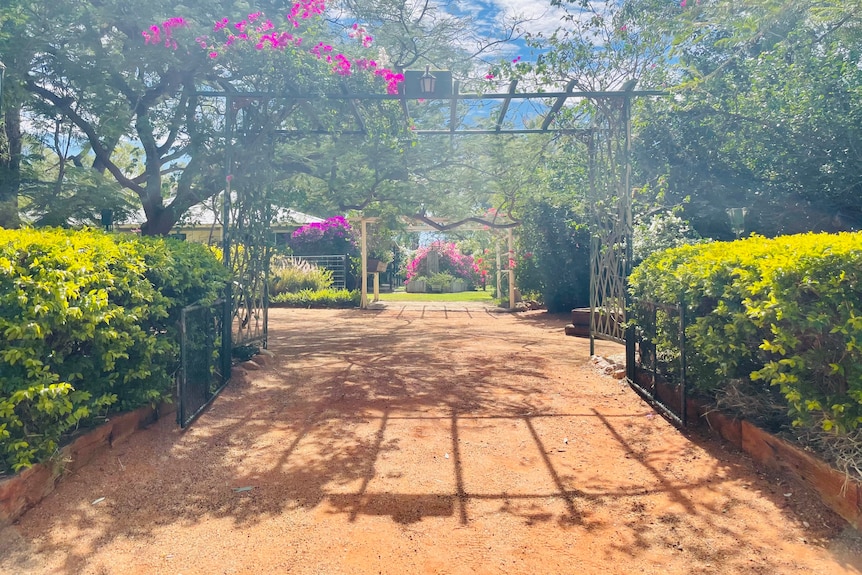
point(108, 220)
point(737, 220)
point(2, 73)
point(427, 83)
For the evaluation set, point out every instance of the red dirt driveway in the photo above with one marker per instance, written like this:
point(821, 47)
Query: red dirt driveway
point(426, 439)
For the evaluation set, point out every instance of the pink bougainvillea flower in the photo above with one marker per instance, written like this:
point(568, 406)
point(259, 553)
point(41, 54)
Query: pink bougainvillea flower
point(303, 9)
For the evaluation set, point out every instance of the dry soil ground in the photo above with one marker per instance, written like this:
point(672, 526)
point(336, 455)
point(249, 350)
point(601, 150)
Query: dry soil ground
point(426, 440)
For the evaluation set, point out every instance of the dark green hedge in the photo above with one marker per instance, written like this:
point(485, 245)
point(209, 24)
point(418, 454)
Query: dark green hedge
point(328, 298)
point(89, 326)
point(784, 312)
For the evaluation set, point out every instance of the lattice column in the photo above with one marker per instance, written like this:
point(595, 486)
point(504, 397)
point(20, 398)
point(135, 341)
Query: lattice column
point(611, 203)
point(250, 230)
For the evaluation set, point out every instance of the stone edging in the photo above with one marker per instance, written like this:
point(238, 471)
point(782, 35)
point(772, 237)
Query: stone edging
point(24, 490)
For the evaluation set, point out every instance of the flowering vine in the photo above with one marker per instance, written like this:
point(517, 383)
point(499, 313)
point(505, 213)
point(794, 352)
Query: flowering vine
point(260, 30)
point(450, 260)
point(331, 236)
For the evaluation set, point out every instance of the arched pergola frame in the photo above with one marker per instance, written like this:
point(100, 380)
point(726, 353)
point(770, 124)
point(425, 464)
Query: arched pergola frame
point(609, 142)
point(422, 223)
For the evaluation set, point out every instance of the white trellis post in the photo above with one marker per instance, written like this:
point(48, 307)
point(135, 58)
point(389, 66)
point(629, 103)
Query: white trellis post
point(499, 270)
point(511, 241)
point(363, 254)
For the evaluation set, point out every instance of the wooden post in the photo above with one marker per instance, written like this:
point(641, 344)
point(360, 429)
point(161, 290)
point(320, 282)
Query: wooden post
point(499, 270)
point(363, 249)
point(511, 242)
point(376, 286)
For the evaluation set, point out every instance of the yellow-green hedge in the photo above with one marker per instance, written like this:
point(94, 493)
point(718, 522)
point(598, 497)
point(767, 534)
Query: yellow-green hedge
point(786, 311)
point(88, 325)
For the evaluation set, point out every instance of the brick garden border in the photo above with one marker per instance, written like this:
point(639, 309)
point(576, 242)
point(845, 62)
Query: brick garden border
point(840, 493)
point(20, 492)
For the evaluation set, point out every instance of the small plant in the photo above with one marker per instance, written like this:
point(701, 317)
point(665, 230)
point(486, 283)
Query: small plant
point(328, 298)
point(439, 281)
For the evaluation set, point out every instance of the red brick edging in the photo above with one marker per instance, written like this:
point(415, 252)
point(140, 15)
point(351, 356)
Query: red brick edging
point(24, 490)
point(840, 493)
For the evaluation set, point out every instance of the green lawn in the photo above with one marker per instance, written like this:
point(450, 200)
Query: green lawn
point(400, 295)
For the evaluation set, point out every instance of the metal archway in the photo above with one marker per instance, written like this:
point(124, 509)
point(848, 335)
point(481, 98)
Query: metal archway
point(245, 222)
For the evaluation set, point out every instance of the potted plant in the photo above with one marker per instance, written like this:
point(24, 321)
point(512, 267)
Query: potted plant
point(376, 264)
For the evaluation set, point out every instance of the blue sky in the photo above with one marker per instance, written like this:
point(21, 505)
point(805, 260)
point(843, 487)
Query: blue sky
point(492, 17)
point(533, 16)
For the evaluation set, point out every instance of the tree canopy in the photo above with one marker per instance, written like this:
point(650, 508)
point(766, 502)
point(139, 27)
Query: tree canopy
point(764, 109)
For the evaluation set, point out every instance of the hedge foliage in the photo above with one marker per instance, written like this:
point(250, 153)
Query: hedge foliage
point(554, 252)
point(785, 312)
point(89, 325)
point(328, 298)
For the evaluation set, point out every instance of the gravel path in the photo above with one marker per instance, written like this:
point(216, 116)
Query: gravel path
point(426, 439)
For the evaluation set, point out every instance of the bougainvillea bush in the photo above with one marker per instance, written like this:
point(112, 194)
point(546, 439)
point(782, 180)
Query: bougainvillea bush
point(450, 261)
point(333, 236)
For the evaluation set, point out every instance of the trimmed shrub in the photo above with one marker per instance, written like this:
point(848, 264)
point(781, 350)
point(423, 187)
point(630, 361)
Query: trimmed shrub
point(783, 312)
point(328, 298)
point(89, 324)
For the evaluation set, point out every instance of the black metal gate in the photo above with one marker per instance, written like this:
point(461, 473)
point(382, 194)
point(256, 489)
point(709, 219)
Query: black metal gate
point(210, 335)
point(659, 372)
point(655, 367)
point(203, 369)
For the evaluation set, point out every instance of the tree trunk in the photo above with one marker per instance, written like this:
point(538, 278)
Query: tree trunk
point(160, 221)
point(10, 167)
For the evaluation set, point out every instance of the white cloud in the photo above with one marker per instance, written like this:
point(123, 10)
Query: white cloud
point(536, 17)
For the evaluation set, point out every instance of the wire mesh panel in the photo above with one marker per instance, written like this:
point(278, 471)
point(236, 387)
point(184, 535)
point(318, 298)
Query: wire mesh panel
point(202, 371)
point(611, 220)
point(336, 264)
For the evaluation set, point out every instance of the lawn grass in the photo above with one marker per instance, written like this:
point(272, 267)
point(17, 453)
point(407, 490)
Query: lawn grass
point(400, 295)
